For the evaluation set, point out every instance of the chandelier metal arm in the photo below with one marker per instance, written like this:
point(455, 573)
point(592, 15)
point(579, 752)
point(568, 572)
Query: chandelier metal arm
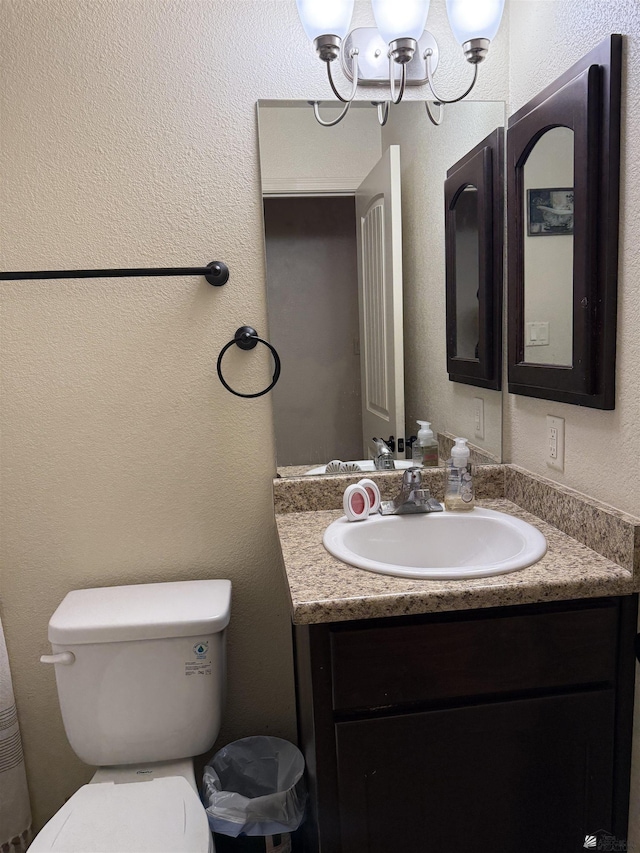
point(439, 99)
point(320, 120)
point(354, 65)
point(392, 80)
point(437, 120)
point(383, 111)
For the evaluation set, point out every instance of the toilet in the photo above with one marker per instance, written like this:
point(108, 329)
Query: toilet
point(140, 672)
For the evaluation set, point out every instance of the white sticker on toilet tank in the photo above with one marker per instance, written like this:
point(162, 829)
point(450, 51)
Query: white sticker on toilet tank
point(196, 667)
point(201, 650)
point(200, 665)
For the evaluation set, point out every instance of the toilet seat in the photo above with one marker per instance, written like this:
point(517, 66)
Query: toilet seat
point(163, 815)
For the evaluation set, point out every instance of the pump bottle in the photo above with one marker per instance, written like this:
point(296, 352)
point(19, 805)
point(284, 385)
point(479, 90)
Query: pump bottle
point(458, 494)
point(425, 448)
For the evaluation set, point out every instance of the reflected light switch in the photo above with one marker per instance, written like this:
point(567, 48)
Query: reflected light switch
point(537, 334)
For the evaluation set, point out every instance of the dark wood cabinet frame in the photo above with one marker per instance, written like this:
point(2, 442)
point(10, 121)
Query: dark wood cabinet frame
point(482, 167)
point(585, 99)
point(374, 696)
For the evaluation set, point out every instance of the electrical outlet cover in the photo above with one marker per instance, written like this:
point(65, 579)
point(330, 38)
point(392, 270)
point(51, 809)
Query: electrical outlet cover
point(555, 443)
point(478, 416)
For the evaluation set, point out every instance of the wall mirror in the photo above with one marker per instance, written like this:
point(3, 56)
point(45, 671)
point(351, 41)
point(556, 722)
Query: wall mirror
point(474, 195)
point(563, 161)
point(355, 255)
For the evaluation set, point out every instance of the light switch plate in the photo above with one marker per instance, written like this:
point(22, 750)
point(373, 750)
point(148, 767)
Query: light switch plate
point(555, 443)
point(537, 334)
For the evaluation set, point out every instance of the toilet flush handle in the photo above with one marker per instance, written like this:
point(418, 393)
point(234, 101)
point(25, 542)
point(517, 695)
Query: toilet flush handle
point(65, 658)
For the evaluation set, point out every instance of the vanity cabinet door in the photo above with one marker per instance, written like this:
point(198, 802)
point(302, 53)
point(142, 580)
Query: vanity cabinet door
point(506, 730)
point(528, 775)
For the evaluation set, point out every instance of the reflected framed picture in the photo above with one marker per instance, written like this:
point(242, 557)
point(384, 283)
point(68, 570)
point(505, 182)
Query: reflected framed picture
point(549, 212)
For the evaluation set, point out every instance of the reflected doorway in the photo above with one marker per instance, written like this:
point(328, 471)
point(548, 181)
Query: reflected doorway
point(312, 292)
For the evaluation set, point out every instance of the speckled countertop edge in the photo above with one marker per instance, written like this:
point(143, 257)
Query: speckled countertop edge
point(610, 532)
point(323, 589)
point(302, 494)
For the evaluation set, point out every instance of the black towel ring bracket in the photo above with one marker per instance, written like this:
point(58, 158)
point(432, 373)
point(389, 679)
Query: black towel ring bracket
point(247, 338)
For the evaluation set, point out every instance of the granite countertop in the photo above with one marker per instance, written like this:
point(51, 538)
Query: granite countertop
point(323, 589)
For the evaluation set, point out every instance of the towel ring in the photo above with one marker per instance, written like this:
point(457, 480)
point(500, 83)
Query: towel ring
point(247, 338)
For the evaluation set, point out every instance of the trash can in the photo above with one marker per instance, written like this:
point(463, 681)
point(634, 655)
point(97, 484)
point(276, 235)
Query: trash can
point(254, 794)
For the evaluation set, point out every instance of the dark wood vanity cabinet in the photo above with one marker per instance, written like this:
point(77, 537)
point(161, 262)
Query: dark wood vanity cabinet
point(503, 730)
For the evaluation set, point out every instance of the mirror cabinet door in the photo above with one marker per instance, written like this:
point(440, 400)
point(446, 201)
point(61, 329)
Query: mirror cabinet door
point(473, 235)
point(466, 235)
point(562, 196)
point(548, 192)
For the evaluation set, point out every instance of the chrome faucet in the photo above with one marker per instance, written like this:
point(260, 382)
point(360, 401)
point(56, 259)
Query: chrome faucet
point(411, 497)
point(383, 460)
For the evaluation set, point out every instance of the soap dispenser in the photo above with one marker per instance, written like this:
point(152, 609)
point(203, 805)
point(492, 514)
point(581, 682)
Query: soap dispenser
point(424, 450)
point(458, 494)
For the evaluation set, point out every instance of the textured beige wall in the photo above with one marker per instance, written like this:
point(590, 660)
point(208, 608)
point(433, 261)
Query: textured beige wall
point(124, 460)
point(602, 449)
point(129, 138)
point(546, 37)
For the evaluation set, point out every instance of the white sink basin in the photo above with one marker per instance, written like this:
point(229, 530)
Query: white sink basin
point(440, 545)
point(365, 465)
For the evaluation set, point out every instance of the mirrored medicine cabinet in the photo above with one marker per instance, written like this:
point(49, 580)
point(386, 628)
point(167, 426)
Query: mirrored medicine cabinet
point(563, 164)
point(354, 221)
point(474, 224)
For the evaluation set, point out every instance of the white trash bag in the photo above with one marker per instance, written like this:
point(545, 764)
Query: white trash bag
point(255, 786)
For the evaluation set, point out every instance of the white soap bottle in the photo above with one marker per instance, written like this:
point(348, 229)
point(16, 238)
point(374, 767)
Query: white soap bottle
point(425, 448)
point(458, 495)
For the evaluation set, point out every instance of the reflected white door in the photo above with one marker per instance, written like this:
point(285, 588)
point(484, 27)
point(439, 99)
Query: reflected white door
point(379, 233)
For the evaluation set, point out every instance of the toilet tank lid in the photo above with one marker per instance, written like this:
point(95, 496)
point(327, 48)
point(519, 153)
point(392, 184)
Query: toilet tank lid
point(142, 612)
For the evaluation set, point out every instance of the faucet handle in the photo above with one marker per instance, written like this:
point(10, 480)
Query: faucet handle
point(412, 477)
point(421, 495)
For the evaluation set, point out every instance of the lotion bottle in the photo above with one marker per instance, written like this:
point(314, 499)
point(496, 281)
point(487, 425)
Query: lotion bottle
point(424, 450)
point(458, 495)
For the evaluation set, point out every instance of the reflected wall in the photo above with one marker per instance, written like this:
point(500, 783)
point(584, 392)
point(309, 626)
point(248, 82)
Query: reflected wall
point(301, 159)
point(427, 153)
point(548, 249)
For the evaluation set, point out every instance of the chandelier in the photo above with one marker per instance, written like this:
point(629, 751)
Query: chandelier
point(371, 56)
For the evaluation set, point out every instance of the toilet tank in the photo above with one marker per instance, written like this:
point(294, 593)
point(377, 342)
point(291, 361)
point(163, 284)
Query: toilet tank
point(147, 677)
